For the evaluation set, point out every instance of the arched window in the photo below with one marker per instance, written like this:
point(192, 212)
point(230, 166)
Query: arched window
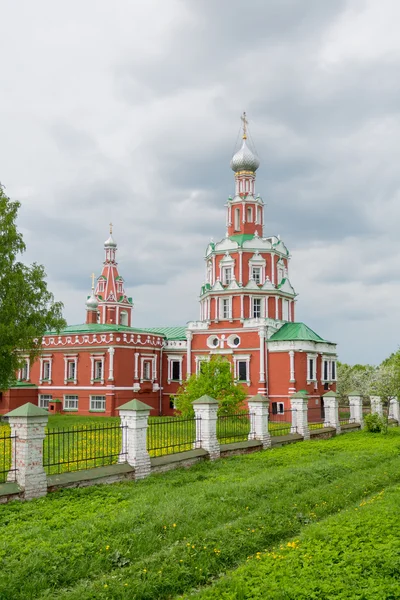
point(249, 214)
point(123, 318)
point(237, 219)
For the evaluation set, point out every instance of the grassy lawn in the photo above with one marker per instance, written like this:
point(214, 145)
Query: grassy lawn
point(177, 533)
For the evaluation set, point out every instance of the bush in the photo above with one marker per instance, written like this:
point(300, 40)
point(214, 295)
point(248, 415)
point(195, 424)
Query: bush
point(373, 423)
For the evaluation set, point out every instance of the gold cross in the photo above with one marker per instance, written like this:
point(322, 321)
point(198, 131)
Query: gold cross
point(245, 123)
point(93, 277)
point(111, 226)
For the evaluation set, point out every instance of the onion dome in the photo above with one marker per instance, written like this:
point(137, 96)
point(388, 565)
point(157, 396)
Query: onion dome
point(244, 160)
point(110, 243)
point(92, 303)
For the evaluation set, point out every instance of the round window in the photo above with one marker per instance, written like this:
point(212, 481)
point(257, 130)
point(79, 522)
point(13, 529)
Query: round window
point(236, 341)
point(215, 342)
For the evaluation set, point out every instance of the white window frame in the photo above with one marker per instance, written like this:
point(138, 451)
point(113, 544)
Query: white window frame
point(68, 359)
point(149, 359)
point(70, 402)
point(45, 360)
point(171, 359)
point(24, 372)
point(237, 358)
point(227, 270)
point(97, 399)
point(333, 367)
point(101, 284)
point(43, 401)
point(285, 309)
point(259, 300)
point(249, 214)
point(225, 302)
point(236, 218)
point(257, 261)
point(257, 269)
point(94, 358)
point(311, 359)
point(198, 360)
point(124, 318)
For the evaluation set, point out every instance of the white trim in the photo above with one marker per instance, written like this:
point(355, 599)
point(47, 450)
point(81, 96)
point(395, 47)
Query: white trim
point(291, 367)
point(241, 358)
point(171, 358)
point(111, 352)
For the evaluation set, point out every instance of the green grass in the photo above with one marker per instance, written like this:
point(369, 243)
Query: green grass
point(175, 533)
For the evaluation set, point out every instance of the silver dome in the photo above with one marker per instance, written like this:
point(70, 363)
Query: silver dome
point(244, 160)
point(92, 303)
point(110, 243)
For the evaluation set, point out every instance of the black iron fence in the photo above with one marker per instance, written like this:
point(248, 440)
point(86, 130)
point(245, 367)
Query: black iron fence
point(280, 423)
point(344, 414)
point(7, 457)
point(77, 448)
point(235, 428)
point(316, 417)
point(170, 435)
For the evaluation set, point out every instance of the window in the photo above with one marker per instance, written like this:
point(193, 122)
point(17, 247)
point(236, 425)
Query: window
point(101, 285)
point(258, 217)
point(119, 287)
point(171, 404)
point(98, 403)
point(70, 402)
point(256, 274)
point(237, 219)
point(242, 370)
point(311, 368)
point(249, 214)
point(147, 370)
point(226, 275)
point(25, 371)
point(98, 369)
point(333, 369)
point(71, 370)
point(326, 376)
point(225, 308)
point(44, 400)
point(256, 308)
point(280, 408)
point(176, 370)
point(123, 318)
point(46, 370)
point(285, 310)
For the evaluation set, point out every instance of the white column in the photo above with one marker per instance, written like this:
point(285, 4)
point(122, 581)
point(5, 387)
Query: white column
point(28, 371)
point(28, 424)
point(261, 334)
point(266, 307)
point(240, 267)
point(136, 367)
point(189, 337)
point(331, 410)
point(216, 312)
point(205, 410)
point(41, 370)
point(291, 363)
point(258, 409)
point(155, 367)
point(376, 405)
point(51, 370)
point(356, 408)
point(276, 308)
point(91, 369)
point(241, 306)
point(213, 269)
point(272, 269)
point(134, 421)
point(394, 410)
point(111, 352)
point(299, 405)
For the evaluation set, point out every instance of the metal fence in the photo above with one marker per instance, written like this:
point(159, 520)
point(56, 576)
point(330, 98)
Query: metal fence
point(280, 423)
point(344, 414)
point(316, 416)
point(77, 448)
point(170, 435)
point(235, 428)
point(7, 460)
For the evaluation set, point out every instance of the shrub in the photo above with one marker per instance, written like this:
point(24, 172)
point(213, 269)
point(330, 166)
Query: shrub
point(373, 423)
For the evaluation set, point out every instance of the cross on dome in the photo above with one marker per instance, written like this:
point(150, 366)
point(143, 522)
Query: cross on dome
point(245, 123)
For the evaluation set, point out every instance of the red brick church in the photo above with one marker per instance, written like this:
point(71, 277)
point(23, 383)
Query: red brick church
point(247, 314)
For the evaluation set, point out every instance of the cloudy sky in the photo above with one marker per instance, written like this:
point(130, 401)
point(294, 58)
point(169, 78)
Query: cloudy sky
point(129, 112)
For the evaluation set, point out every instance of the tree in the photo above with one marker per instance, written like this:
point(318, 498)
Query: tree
point(216, 380)
point(27, 308)
point(356, 377)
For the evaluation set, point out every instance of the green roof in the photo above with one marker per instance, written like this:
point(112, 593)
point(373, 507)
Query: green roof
point(25, 384)
point(171, 333)
point(241, 237)
point(99, 328)
point(296, 331)
point(27, 410)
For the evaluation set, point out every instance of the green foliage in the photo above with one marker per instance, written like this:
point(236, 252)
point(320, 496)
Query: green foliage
point(373, 423)
point(176, 532)
point(356, 377)
point(215, 380)
point(27, 308)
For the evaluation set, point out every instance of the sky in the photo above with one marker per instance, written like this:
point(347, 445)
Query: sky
point(128, 112)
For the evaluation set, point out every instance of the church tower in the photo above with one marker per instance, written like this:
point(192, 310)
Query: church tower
point(114, 307)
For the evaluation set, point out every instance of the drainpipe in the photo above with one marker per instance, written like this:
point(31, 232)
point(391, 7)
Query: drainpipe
point(161, 381)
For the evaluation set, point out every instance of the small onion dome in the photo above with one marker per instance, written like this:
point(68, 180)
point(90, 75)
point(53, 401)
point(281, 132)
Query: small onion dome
point(110, 243)
point(244, 160)
point(92, 303)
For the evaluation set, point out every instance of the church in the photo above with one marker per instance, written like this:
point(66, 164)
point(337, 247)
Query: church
point(247, 314)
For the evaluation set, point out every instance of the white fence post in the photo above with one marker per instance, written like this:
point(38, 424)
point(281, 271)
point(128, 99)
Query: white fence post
point(205, 409)
point(134, 417)
point(356, 408)
point(299, 405)
point(376, 405)
point(28, 424)
point(258, 409)
point(394, 410)
point(331, 411)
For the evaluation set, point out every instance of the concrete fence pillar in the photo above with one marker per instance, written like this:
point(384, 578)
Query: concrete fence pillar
point(331, 411)
point(258, 409)
point(394, 409)
point(376, 405)
point(28, 424)
point(299, 405)
point(134, 422)
point(356, 408)
point(205, 410)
